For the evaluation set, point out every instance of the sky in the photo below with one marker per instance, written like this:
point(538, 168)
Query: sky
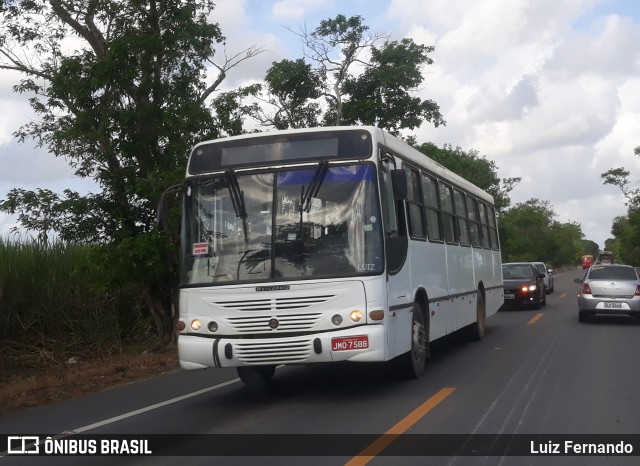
point(547, 89)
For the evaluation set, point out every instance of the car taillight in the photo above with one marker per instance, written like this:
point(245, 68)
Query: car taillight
point(587, 290)
point(637, 293)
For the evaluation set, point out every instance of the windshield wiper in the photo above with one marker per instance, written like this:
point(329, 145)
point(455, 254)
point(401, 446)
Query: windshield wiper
point(314, 186)
point(237, 199)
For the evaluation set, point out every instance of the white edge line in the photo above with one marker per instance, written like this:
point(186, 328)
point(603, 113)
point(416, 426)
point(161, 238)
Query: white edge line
point(149, 408)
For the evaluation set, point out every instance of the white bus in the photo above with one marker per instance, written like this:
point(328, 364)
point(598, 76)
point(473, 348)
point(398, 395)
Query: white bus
point(329, 244)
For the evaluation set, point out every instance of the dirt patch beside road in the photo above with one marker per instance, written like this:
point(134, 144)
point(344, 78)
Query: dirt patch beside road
point(28, 386)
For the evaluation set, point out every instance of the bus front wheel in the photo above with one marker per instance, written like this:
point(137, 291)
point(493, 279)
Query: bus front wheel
point(413, 362)
point(257, 378)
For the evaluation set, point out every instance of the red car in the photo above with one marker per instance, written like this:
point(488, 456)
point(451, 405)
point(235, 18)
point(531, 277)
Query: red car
point(587, 261)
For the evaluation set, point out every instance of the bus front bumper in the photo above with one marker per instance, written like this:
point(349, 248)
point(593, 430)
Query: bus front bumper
point(359, 344)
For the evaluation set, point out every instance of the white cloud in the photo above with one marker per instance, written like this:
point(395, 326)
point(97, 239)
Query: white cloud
point(547, 89)
point(297, 9)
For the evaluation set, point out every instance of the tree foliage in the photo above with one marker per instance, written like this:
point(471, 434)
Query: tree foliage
point(122, 90)
point(349, 76)
point(625, 243)
point(292, 87)
point(529, 232)
point(382, 94)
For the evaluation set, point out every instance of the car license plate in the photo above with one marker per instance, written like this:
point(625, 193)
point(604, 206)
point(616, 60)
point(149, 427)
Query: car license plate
point(509, 296)
point(613, 305)
point(350, 343)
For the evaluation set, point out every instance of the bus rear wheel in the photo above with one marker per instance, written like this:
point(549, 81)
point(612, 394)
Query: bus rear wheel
point(257, 378)
point(413, 362)
point(476, 330)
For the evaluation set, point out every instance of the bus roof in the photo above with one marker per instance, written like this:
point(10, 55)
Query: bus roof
point(385, 139)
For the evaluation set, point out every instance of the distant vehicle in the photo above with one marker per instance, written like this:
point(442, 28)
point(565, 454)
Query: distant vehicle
point(587, 261)
point(523, 285)
point(606, 257)
point(609, 289)
point(548, 278)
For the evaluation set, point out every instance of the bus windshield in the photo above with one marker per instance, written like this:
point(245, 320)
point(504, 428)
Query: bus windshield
point(311, 222)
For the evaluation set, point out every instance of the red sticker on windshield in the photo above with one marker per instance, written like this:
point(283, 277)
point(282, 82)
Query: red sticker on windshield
point(200, 248)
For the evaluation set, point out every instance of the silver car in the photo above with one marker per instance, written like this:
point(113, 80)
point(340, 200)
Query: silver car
point(609, 289)
point(548, 278)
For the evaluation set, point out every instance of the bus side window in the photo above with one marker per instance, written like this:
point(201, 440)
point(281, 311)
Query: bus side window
point(415, 212)
point(446, 205)
point(389, 215)
point(430, 200)
point(461, 213)
point(474, 223)
point(485, 225)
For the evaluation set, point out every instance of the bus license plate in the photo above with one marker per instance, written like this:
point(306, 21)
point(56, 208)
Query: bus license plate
point(613, 305)
point(509, 296)
point(350, 343)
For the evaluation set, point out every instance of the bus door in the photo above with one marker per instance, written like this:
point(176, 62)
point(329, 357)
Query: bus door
point(399, 296)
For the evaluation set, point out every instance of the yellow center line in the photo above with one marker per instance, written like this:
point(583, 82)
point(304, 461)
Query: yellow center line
point(563, 295)
point(535, 318)
point(400, 428)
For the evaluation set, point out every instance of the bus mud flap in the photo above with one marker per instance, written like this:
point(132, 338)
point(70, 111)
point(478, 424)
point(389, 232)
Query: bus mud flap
point(216, 356)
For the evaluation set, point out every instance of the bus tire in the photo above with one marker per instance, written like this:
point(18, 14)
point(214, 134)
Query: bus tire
point(256, 378)
point(476, 330)
point(413, 362)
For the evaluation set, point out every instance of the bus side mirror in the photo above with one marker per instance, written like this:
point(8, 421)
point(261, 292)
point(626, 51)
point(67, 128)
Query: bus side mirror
point(167, 200)
point(399, 183)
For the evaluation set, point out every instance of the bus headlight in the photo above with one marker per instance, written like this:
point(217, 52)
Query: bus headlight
point(356, 316)
point(336, 320)
point(213, 326)
point(195, 325)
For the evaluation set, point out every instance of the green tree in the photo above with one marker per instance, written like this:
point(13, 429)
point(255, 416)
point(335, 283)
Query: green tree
point(626, 243)
point(588, 247)
point(523, 230)
point(469, 165)
point(292, 87)
point(626, 230)
point(565, 243)
point(381, 92)
point(122, 108)
point(528, 232)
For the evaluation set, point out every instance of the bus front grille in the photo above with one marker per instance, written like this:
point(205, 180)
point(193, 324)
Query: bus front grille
point(274, 304)
point(274, 323)
point(278, 352)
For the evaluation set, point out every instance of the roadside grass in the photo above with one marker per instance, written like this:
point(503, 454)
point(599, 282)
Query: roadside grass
point(66, 328)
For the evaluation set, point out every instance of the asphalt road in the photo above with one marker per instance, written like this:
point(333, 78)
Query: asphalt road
point(535, 372)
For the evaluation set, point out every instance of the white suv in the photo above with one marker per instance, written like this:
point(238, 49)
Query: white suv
point(548, 278)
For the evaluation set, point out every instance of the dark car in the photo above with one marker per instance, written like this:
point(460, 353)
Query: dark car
point(523, 285)
point(609, 289)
